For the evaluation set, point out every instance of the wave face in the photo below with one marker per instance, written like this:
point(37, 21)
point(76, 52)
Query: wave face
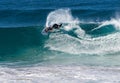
point(87, 43)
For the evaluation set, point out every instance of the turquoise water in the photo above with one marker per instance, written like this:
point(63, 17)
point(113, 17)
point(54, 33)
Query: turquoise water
point(86, 49)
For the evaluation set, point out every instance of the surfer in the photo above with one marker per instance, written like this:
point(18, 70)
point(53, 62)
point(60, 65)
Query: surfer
point(55, 26)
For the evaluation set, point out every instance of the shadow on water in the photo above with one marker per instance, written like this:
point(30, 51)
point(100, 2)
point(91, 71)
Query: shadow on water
point(14, 42)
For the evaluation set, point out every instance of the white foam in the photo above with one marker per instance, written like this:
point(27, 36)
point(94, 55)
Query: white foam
point(72, 45)
point(63, 16)
point(60, 16)
point(114, 22)
point(59, 74)
point(100, 46)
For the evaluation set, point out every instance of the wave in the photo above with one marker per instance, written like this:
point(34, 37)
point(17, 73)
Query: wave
point(78, 37)
point(75, 37)
point(21, 44)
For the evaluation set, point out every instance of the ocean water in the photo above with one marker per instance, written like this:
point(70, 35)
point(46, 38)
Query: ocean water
point(86, 49)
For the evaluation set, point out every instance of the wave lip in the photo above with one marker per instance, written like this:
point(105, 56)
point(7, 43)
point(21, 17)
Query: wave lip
point(60, 16)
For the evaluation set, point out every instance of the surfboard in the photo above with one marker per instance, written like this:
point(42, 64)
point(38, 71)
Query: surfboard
point(44, 32)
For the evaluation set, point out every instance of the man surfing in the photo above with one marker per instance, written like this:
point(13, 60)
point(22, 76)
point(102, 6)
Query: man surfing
point(55, 26)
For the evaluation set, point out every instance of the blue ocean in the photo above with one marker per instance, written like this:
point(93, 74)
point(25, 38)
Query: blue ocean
point(86, 49)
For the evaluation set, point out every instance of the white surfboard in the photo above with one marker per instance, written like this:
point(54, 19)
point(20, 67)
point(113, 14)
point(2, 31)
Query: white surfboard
point(44, 32)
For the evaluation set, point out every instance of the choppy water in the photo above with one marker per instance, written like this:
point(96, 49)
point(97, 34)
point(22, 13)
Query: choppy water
point(85, 50)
